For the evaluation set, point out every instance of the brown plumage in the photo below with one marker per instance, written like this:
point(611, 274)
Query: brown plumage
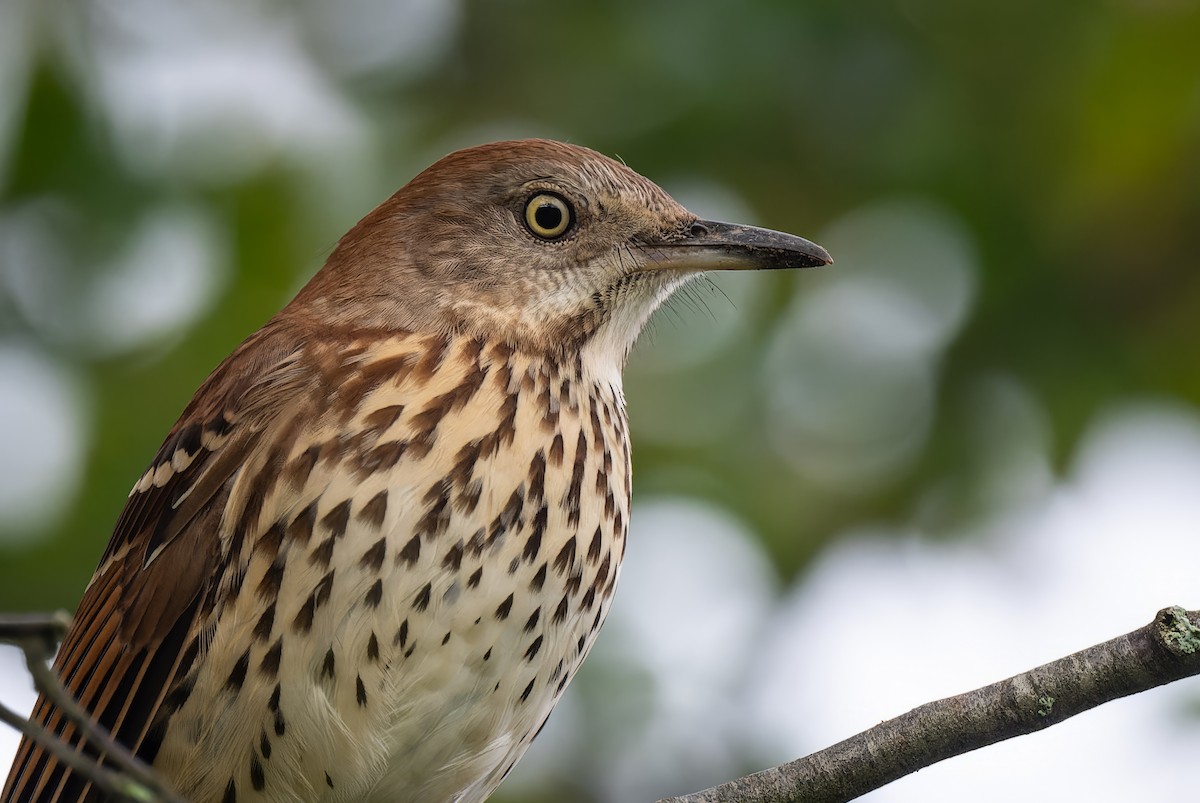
point(381, 538)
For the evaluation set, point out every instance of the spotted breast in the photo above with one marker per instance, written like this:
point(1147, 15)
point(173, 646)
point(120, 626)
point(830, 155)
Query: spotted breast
point(468, 509)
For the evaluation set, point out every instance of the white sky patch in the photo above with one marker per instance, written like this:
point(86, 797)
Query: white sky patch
point(44, 436)
point(850, 372)
point(212, 91)
point(17, 694)
point(883, 625)
point(169, 274)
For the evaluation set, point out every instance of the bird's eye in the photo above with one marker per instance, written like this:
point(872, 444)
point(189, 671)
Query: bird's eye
point(548, 216)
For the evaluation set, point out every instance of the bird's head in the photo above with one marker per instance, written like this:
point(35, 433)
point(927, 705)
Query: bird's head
point(546, 245)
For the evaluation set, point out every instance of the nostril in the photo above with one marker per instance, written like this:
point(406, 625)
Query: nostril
point(698, 229)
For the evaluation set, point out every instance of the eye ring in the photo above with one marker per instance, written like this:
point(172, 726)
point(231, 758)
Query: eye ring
point(548, 216)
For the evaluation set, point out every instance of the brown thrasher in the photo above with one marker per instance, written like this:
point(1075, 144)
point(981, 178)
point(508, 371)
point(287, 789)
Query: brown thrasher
point(384, 533)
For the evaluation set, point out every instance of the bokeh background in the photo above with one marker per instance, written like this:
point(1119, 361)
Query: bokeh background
point(971, 446)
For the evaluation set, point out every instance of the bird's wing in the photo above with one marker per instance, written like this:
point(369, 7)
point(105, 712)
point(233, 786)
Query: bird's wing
point(138, 625)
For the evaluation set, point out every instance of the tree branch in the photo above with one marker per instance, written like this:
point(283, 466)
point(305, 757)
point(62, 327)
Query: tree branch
point(1163, 651)
point(1166, 650)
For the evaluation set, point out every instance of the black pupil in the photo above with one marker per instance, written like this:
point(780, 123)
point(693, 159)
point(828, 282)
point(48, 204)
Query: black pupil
point(548, 216)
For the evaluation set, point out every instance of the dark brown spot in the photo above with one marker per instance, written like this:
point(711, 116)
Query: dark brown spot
point(264, 745)
point(593, 553)
point(379, 421)
point(402, 634)
point(454, 556)
point(411, 551)
point(487, 655)
point(372, 648)
point(328, 781)
point(383, 457)
point(477, 542)
point(262, 630)
point(437, 515)
point(565, 560)
point(372, 559)
point(336, 519)
point(257, 779)
point(560, 612)
point(528, 689)
point(468, 498)
point(301, 528)
point(435, 351)
point(268, 543)
point(533, 544)
point(421, 600)
point(374, 594)
point(570, 501)
point(179, 694)
point(464, 464)
point(508, 517)
point(328, 664)
point(597, 430)
point(268, 587)
point(539, 579)
point(589, 598)
point(504, 608)
point(602, 572)
point(533, 649)
point(371, 375)
point(273, 705)
point(556, 450)
point(507, 430)
point(374, 511)
point(537, 477)
point(270, 659)
point(304, 617)
point(323, 554)
point(446, 638)
point(531, 623)
point(230, 795)
point(475, 577)
point(323, 590)
point(360, 691)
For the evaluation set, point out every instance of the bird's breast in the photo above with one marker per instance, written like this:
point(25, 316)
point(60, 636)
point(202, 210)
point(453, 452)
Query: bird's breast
point(437, 555)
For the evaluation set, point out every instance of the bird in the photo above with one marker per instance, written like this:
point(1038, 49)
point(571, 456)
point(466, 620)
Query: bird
point(382, 536)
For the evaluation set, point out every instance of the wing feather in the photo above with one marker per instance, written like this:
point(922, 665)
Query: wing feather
point(147, 601)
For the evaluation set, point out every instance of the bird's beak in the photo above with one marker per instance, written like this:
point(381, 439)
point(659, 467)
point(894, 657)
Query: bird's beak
point(709, 245)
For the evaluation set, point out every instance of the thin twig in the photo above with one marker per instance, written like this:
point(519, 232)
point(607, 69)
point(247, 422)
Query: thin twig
point(37, 636)
point(1166, 650)
point(111, 783)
